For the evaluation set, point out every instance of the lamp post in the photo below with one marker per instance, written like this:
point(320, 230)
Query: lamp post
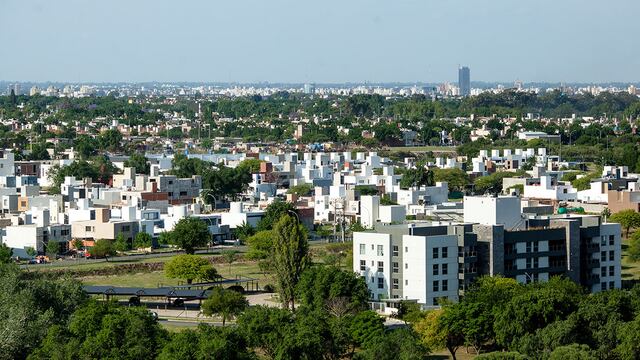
point(207, 192)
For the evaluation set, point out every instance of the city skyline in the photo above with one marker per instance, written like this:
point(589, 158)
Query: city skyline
point(332, 42)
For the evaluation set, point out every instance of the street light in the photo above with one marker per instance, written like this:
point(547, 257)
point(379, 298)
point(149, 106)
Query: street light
point(207, 192)
point(294, 214)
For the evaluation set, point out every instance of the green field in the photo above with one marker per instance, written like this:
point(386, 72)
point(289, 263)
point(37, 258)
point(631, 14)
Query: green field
point(417, 149)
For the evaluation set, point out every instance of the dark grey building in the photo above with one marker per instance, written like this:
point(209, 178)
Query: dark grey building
point(464, 81)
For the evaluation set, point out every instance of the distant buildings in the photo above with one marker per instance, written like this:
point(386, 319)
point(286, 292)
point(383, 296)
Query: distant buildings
point(464, 81)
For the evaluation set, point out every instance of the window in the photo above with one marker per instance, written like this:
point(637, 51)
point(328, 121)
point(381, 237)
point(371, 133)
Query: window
point(460, 251)
point(535, 263)
point(528, 246)
point(445, 252)
point(395, 250)
point(406, 265)
point(396, 284)
point(603, 256)
point(363, 265)
point(126, 228)
point(380, 283)
point(612, 271)
point(380, 266)
point(87, 228)
point(445, 285)
point(535, 246)
point(380, 252)
point(435, 301)
point(445, 269)
point(435, 252)
point(362, 249)
point(612, 240)
point(611, 255)
point(406, 249)
point(528, 263)
point(396, 267)
point(436, 270)
point(603, 286)
point(436, 286)
point(612, 285)
point(603, 240)
point(406, 282)
point(603, 271)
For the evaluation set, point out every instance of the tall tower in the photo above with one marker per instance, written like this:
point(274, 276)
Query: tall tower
point(464, 81)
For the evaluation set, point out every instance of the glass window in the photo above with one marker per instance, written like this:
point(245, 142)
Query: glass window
point(445, 269)
point(612, 271)
point(435, 252)
point(612, 240)
point(603, 271)
point(406, 265)
point(436, 285)
point(363, 265)
point(445, 253)
point(380, 252)
point(612, 285)
point(611, 255)
point(363, 248)
point(436, 269)
point(380, 266)
point(528, 263)
point(406, 249)
point(380, 283)
point(406, 282)
point(603, 240)
point(535, 246)
point(603, 286)
point(396, 284)
point(395, 250)
point(445, 285)
point(603, 256)
point(528, 246)
point(396, 267)
point(535, 263)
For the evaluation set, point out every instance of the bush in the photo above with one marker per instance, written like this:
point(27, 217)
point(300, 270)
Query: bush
point(269, 288)
point(236, 288)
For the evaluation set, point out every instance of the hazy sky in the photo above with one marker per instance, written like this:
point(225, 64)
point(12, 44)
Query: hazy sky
point(319, 41)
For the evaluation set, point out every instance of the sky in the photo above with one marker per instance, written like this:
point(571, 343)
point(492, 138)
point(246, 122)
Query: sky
point(322, 41)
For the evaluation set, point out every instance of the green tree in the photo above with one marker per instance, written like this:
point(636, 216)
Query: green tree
point(190, 267)
point(244, 231)
point(455, 178)
point(190, 233)
point(78, 244)
point(415, 178)
point(5, 254)
point(252, 166)
point(104, 330)
point(491, 183)
point(30, 251)
point(44, 302)
point(260, 245)
point(634, 247)
point(301, 189)
point(266, 329)
point(273, 213)
point(102, 248)
point(121, 244)
point(230, 256)
point(327, 287)
point(628, 219)
point(400, 344)
point(572, 352)
point(291, 257)
point(53, 248)
point(226, 303)
point(366, 327)
point(143, 240)
point(207, 342)
point(139, 162)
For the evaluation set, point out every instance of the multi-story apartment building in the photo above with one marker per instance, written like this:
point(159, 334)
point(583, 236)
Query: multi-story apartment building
point(425, 262)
